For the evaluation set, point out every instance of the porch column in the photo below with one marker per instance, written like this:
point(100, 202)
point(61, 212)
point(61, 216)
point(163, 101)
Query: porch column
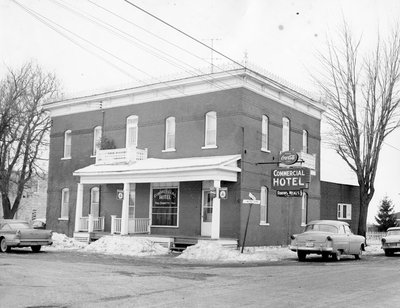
point(125, 210)
point(216, 213)
point(78, 208)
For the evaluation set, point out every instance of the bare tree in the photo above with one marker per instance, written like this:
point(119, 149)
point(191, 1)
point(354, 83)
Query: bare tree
point(362, 95)
point(24, 128)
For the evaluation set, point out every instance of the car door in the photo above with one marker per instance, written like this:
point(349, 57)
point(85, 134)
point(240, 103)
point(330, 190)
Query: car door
point(343, 241)
point(354, 243)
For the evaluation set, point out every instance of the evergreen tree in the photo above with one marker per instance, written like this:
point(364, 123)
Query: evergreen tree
point(386, 217)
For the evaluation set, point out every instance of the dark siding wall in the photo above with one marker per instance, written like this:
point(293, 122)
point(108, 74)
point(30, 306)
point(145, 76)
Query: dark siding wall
point(332, 194)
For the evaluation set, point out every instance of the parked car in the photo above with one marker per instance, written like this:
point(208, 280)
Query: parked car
point(18, 233)
point(391, 242)
point(327, 238)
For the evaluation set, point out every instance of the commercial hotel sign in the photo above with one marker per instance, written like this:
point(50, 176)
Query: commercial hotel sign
point(296, 178)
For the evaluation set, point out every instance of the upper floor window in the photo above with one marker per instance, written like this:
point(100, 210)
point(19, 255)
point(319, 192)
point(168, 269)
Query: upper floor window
point(132, 131)
point(344, 211)
point(304, 208)
point(211, 129)
point(170, 133)
point(64, 204)
point(285, 134)
point(305, 141)
point(264, 133)
point(97, 132)
point(67, 144)
point(264, 205)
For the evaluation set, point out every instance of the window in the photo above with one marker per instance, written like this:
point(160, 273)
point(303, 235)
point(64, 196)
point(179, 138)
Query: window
point(211, 130)
point(95, 202)
point(67, 144)
point(132, 131)
point(264, 133)
point(305, 141)
point(97, 133)
point(285, 134)
point(344, 211)
point(304, 208)
point(165, 206)
point(64, 204)
point(170, 133)
point(264, 206)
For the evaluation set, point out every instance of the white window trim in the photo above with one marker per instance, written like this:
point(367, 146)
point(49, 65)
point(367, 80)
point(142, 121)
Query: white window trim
point(305, 141)
point(99, 134)
point(210, 115)
point(128, 126)
point(304, 209)
point(264, 222)
point(170, 125)
point(168, 150)
point(348, 211)
point(164, 185)
point(67, 133)
point(265, 129)
point(285, 129)
point(62, 204)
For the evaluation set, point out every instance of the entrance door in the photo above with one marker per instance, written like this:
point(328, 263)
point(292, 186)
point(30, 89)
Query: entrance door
point(206, 213)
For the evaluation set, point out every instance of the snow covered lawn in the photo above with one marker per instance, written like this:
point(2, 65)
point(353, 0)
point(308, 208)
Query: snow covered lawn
point(203, 251)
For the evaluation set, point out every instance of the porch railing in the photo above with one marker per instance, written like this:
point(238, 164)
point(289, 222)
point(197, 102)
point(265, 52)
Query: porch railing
point(135, 225)
point(90, 223)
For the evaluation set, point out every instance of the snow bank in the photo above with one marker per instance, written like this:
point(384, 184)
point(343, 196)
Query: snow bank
point(213, 251)
point(125, 245)
point(61, 241)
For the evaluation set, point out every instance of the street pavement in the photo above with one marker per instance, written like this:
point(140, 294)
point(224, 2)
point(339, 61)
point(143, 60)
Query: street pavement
point(79, 279)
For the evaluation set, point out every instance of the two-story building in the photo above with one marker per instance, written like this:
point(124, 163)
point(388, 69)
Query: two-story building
point(173, 144)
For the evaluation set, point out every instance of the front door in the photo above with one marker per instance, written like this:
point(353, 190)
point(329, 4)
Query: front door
point(206, 213)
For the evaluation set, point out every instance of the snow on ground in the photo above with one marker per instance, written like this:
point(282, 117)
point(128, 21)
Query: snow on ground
point(125, 245)
point(203, 251)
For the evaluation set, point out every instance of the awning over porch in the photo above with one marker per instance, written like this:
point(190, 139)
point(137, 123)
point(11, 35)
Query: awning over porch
point(221, 168)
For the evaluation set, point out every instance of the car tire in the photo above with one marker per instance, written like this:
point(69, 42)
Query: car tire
point(325, 256)
point(388, 253)
point(337, 256)
point(36, 248)
point(358, 256)
point(3, 245)
point(301, 255)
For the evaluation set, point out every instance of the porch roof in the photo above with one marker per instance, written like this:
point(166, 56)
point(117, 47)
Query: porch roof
point(152, 170)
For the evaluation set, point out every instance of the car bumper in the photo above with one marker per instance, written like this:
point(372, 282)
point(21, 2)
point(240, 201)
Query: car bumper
point(306, 249)
point(28, 243)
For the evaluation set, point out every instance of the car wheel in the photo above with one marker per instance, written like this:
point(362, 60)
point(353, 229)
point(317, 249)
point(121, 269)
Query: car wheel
point(337, 256)
point(3, 245)
point(358, 256)
point(388, 253)
point(36, 248)
point(325, 256)
point(301, 255)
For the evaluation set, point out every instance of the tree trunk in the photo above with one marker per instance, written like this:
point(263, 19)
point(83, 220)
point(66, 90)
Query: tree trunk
point(7, 211)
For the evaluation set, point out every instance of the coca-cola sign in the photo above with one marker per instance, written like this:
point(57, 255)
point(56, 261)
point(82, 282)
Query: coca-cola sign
point(289, 157)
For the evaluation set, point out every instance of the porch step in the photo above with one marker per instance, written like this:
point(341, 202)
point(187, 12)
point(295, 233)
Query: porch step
point(181, 243)
point(83, 237)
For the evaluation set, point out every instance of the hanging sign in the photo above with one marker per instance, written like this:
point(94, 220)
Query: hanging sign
point(289, 157)
point(290, 178)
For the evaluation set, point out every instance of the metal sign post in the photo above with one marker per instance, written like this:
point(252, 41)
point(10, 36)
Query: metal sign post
point(250, 202)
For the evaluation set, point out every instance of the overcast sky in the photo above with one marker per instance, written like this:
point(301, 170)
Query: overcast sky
point(99, 45)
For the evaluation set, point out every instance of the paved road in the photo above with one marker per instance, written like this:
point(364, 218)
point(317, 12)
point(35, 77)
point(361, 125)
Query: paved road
point(77, 279)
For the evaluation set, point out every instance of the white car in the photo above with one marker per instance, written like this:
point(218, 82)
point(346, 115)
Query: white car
point(327, 238)
point(391, 242)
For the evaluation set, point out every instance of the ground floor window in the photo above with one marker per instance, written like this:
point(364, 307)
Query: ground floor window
point(164, 206)
point(344, 211)
point(304, 208)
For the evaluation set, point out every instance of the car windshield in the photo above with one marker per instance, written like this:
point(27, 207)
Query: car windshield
point(394, 232)
point(19, 225)
point(321, 227)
